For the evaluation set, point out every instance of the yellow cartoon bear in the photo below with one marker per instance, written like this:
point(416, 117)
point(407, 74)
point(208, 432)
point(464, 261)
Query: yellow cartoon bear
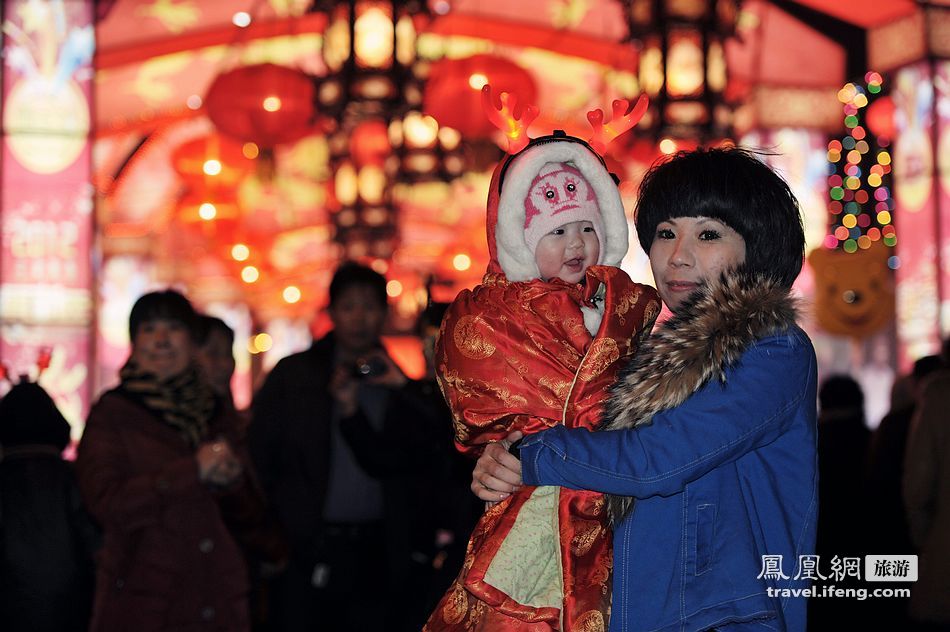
point(854, 292)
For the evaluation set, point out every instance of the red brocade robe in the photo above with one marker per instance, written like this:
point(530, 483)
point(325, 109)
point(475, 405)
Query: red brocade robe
point(517, 356)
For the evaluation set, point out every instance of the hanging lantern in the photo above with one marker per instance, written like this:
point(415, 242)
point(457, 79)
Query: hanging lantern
point(369, 142)
point(369, 47)
point(424, 151)
point(207, 206)
point(265, 104)
point(682, 65)
point(453, 91)
point(880, 118)
point(213, 161)
point(213, 216)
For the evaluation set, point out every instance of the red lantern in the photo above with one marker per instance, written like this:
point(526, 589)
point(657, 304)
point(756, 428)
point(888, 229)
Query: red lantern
point(369, 143)
point(211, 215)
point(453, 91)
point(190, 162)
point(880, 118)
point(266, 104)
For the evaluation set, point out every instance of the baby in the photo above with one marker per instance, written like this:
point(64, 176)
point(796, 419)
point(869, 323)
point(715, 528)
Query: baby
point(528, 349)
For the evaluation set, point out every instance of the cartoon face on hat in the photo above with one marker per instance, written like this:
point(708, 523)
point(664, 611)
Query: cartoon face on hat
point(559, 194)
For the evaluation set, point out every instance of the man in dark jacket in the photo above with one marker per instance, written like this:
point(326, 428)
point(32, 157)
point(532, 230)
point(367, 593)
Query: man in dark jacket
point(340, 438)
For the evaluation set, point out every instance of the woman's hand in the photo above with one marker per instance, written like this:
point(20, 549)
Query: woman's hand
point(497, 473)
point(217, 463)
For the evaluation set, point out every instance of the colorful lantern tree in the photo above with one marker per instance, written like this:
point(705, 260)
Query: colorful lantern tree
point(860, 203)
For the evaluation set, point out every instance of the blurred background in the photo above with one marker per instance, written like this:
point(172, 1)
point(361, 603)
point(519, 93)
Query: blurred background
point(240, 150)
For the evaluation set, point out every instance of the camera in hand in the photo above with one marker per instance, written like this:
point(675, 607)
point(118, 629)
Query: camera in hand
point(369, 367)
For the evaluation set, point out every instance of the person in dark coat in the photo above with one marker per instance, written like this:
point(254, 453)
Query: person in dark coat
point(341, 439)
point(161, 468)
point(46, 537)
point(886, 460)
point(843, 440)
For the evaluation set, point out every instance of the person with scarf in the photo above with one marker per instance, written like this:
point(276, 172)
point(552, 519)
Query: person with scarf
point(536, 345)
point(708, 446)
point(161, 469)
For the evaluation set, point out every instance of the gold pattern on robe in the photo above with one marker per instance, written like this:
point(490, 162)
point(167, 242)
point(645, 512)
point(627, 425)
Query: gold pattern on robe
point(575, 326)
point(520, 367)
point(453, 380)
point(566, 354)
point(601, 574)
point(603, 353)
point(550, 314)
point(650, 313)
point(586, 534)
point(590, 621)
point(461, 430)
point(456, 606)
point(472, 336)
point(559, 388)
point(475, 616)
point(511, 400)
point(599, 504)
point(626, 303)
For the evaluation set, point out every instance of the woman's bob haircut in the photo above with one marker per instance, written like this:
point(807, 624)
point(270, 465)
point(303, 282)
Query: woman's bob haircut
point(733, 186)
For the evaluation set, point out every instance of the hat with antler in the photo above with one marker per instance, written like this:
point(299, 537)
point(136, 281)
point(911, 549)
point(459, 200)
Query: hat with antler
point(521, 220)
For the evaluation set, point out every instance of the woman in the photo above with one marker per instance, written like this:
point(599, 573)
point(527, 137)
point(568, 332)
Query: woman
point(159, 469)
point(709, 443)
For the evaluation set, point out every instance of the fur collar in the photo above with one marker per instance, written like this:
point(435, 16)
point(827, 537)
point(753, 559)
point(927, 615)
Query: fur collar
point(709, 334)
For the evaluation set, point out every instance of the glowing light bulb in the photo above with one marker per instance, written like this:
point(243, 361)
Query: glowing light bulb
point(291, 294)
point(263, 342)
point(477, 80)
point(668, 146)
point(240, 252)
point(462, 262)
point(207, 211)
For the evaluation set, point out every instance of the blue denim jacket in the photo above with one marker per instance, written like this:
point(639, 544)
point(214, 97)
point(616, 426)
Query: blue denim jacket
point(720, 481)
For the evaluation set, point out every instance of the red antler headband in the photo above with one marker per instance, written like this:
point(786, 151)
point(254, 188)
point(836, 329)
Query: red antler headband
point(513, 119)
point(620, 122)
point(507, 115)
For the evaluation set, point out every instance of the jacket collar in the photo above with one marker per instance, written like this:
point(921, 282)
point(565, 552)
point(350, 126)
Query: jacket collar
point(710, 332)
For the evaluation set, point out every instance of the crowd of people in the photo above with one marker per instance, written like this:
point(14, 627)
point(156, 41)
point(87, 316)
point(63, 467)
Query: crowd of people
point(634, 479)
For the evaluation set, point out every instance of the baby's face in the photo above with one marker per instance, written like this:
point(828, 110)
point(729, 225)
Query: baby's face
point(567, 251)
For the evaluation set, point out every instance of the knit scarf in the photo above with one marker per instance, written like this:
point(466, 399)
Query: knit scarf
point(184, 401)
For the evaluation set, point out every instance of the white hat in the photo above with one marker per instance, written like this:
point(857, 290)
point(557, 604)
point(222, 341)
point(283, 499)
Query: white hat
point(559, 195)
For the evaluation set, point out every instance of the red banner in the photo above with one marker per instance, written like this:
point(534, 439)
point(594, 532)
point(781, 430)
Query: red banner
point(915, 215)
point(46, 218)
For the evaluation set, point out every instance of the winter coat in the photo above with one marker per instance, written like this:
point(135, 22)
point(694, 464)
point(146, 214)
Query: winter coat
point(712, 430)
point(927, 499)
point(46, 543)
point(518, 353)
point(168, 561)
